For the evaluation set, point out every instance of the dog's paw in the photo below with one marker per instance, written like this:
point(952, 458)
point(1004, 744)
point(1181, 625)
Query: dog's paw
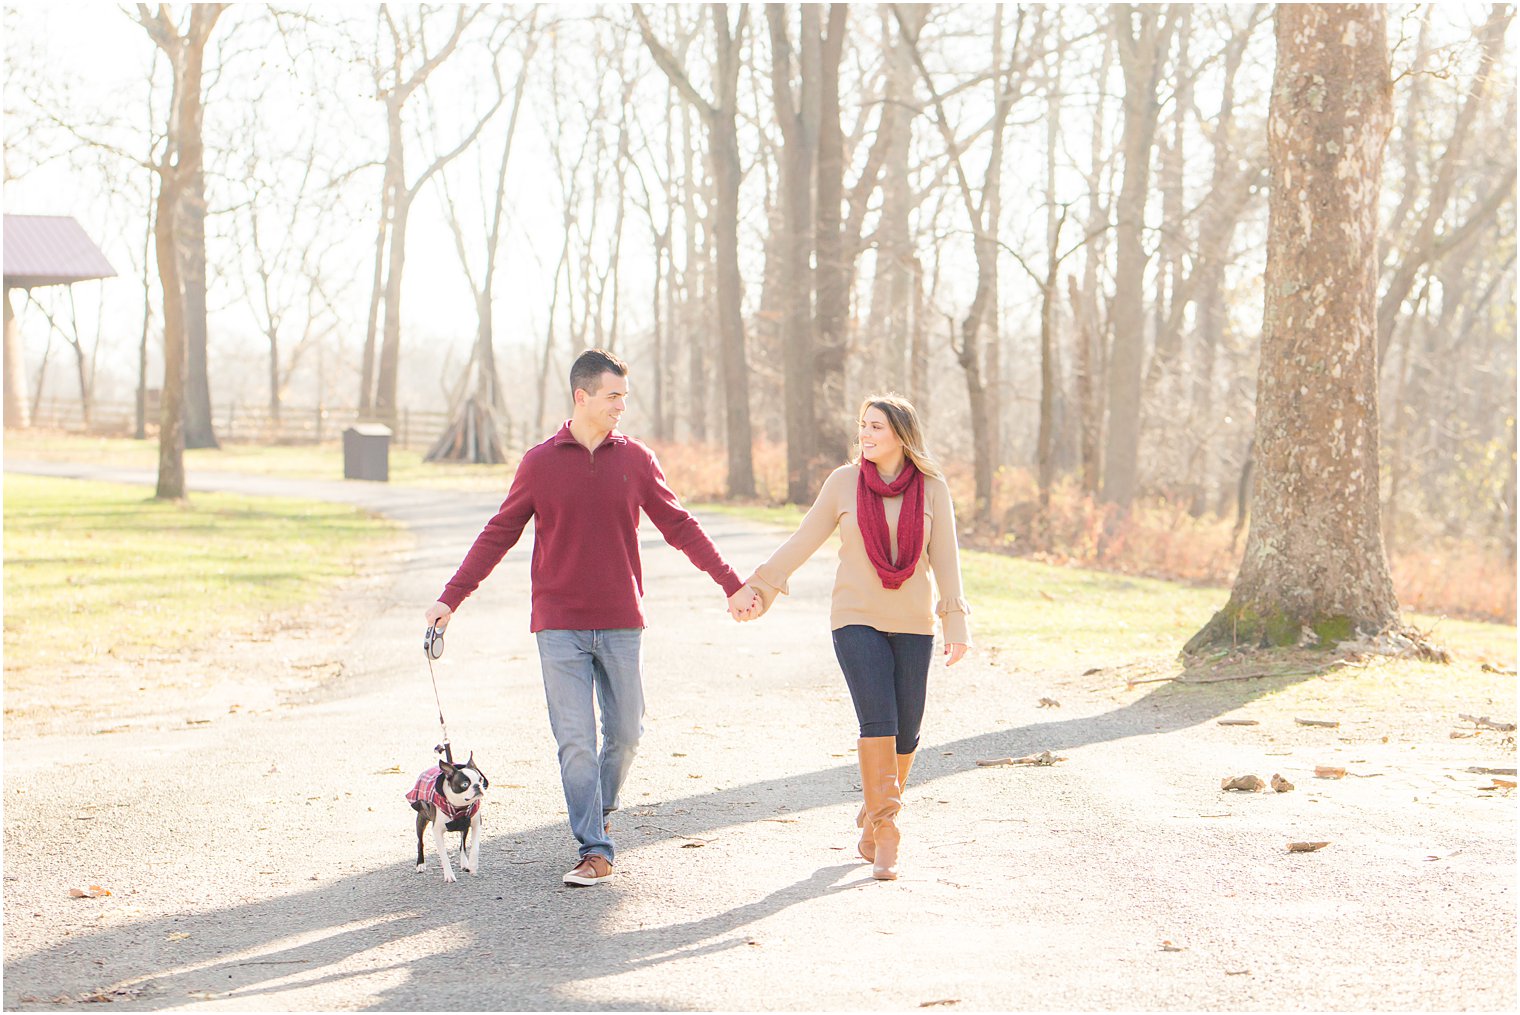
point(448, 876)
point(421, 867)
point(468, 867)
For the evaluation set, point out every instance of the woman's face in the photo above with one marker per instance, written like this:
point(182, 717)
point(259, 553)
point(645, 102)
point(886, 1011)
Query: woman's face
point(878, 444)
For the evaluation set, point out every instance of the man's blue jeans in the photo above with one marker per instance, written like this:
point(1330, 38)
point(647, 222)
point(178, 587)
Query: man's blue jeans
point(576, 665)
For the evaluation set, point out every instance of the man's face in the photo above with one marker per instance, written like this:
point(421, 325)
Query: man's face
point(606, 405)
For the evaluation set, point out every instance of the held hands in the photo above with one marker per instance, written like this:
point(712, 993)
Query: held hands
point(744, 604)
point(438, 616)
point(955, 651)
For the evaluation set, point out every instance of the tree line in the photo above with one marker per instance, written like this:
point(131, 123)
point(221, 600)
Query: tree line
point(1047, 225)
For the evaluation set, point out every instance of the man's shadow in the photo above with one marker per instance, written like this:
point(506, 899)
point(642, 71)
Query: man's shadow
point(250, 951)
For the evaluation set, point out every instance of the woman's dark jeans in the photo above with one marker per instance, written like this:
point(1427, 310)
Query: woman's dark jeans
point(888, 676)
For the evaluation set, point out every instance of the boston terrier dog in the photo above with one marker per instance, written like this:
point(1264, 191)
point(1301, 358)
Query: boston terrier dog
point(449, 796)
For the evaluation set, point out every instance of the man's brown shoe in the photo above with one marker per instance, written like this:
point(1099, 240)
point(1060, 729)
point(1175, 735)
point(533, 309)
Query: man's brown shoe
point(592, 870)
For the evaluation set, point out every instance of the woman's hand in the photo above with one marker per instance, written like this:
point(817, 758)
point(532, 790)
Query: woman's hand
point(954, 650)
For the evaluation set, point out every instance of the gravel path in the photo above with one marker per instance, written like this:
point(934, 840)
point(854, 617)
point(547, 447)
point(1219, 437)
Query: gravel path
point(261, 859)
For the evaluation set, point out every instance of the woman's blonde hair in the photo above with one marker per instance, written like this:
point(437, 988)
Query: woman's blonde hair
point(903, 419)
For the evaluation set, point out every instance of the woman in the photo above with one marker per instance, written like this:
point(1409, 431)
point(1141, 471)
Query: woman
point(896, 524)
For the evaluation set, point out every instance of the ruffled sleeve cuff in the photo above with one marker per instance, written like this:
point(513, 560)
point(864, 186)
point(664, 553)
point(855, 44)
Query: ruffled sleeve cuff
point(768, 589)
point(953, 614)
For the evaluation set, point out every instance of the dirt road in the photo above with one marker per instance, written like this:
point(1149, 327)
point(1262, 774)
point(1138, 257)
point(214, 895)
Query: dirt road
point(259, 857)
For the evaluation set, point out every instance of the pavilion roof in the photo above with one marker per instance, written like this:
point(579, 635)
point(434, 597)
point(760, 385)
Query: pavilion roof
point(50, 250)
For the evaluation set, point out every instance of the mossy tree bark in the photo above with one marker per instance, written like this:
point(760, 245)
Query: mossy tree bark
point(1314, 559)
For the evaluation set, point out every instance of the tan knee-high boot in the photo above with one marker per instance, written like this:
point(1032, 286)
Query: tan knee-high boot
point(878, 783)
point(867, 845)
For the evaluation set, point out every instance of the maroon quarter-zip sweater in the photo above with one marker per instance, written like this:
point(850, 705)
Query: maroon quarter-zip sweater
point(585, 509)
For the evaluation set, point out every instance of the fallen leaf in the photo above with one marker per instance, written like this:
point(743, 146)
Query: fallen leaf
point(1239, 722)
point(1237, 972)
point(1329, 772)
point(948, 1000)
point(1306, 847)
point(1167, 946)
point(692, 845)
point(1501, 783)
point(177, 935)
point(1281, 785)
point(1244, 783)
point(1049, 703)
point(108, 996)
point(1043, 759)
point(1329, 724)
point(197, 722)
point(393, 770)
point(1484, 722)
point(93, 892)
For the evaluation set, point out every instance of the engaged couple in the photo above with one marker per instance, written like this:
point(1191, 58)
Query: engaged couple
point(584, 488)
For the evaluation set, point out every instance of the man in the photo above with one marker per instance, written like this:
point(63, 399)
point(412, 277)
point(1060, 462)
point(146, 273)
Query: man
point(584, 488)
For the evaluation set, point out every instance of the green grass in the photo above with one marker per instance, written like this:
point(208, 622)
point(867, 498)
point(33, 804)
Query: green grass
point(97, 568)
point(1065, 614)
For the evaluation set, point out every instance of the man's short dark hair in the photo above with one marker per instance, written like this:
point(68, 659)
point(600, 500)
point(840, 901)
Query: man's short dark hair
point(586, 372)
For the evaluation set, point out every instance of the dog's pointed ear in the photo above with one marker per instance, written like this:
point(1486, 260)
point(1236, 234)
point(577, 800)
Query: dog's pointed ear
point(470, 761)
point(446, 768)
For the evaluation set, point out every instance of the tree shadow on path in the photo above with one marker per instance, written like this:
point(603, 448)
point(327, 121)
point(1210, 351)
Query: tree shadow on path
point(513, 940)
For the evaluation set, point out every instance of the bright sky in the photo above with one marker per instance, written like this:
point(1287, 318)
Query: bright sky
point(107, 56)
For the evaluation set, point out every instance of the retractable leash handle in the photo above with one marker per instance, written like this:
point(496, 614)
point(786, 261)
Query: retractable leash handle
point(432, 648)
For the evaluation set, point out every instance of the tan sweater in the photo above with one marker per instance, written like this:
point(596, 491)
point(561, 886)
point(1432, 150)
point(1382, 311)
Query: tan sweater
point(859, 597)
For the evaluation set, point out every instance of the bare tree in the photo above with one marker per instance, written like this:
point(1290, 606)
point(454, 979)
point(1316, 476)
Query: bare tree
point(719, 116)
point(395, 85)
point(1423, 247)
point(1314, 563)
point(797, 115)
point(1143, 33)
point(978, 208)
point(178, 168)
point(474, 433)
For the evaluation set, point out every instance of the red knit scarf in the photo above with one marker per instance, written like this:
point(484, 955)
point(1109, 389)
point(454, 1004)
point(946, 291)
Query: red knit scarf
point(871, 515)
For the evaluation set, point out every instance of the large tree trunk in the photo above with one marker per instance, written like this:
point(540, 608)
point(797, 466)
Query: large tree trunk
point(831, 438)
point(171, 420)
point(798, 130)
point(388, 191)
point(720, 119)
point(892, 287)
point(1314, 559)
point(199, 429)
point(388, 375)
point(741, 470)
point(1142, 41)
point(179, 167)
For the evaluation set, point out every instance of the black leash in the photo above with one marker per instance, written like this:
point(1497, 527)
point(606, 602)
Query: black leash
point(432, 647)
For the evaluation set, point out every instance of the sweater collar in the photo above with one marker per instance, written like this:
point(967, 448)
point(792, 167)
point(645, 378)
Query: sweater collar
point(566, 437)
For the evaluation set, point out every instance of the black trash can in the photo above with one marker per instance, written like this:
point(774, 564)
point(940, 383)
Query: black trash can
point(367, 452)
